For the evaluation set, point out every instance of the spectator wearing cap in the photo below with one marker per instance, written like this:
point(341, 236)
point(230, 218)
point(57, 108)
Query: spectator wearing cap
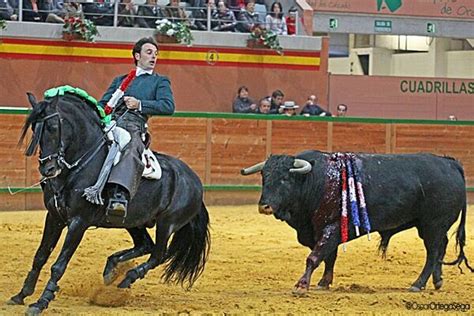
point(313, 108)
point(242, 103)
point(341, 110)
point(289, 108)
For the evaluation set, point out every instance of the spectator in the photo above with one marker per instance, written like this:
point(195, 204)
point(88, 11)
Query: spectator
point(8, 10)
point(274, 21)
point(53, 11)
point(313, 108)
point(291, 21)
point(73, 9)
point(31, 11)
point(237, 5)
point(127, 13)
point(452, 117)
point(224, 18)
point(199, 15)
point(264, 106)
point(147, 14)
point(289, 108)
point(341, 110)
point(276, 101)
point(242, 103)
point(175, 13)
point(248, 18)
point(100, 13)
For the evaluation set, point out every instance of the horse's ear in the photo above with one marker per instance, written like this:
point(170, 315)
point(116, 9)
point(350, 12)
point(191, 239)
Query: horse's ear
point(54, 101)
point(32, 99)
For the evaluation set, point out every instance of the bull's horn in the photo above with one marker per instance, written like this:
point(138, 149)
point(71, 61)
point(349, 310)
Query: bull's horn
point(253, 169)
point(301, 166)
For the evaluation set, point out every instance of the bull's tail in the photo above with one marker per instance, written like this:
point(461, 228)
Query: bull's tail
point(188, 251)
point(461, 237)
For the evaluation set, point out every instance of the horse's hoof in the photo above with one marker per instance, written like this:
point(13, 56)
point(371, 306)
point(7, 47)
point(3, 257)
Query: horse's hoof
point(322, 287)
point(300, 291)
point(16, 300)
point(414, 289)
point(438, 284)
point(33, 311)
point(110, 277)
point(125, 284)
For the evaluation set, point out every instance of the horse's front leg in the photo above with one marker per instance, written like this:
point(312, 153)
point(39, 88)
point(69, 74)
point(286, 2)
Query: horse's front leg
point(325, 246)
point(76, 230)
point(53, 228)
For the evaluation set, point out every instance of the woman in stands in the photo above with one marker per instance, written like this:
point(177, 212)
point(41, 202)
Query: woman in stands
point(274, 21)
point(242, 103)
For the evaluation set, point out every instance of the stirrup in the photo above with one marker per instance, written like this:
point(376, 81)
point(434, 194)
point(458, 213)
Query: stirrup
point(116, 211)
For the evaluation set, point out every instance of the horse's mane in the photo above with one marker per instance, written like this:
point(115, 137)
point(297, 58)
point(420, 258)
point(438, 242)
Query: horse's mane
point(64, 100)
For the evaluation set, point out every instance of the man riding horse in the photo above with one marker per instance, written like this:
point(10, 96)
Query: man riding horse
point(131, 99)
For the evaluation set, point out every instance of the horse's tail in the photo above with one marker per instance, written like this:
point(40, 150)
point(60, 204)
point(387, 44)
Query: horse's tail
point(461, 237)
point(188, 251)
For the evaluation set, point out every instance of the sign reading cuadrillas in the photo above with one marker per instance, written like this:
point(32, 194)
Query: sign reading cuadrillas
point(437, 86)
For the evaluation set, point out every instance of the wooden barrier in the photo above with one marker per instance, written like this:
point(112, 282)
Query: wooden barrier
point(217, 146)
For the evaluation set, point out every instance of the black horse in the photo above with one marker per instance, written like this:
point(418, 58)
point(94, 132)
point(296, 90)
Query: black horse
point(72, 150)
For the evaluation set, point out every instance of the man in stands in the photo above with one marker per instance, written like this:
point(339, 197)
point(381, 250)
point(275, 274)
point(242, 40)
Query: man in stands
point(145, 93)
point(276, 101)
point(248, 18)
point(341, 110)
point(313, 108)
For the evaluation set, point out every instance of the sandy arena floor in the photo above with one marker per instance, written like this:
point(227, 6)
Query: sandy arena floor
point(254, 262)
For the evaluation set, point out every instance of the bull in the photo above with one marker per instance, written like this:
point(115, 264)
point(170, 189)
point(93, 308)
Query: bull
point(401, 191)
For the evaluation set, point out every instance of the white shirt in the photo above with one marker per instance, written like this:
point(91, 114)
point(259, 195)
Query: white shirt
point(141, 71)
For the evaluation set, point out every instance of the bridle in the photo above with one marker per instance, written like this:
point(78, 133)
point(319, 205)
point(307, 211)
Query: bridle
point(59, 155)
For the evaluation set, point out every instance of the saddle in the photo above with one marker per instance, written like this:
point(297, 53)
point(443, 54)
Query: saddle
point(152, 166)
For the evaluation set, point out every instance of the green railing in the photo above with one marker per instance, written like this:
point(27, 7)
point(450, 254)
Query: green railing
point(24, 111)
point(275, 117)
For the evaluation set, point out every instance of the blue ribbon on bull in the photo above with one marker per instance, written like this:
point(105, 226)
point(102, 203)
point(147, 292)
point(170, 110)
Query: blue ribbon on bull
point(357, 167)
point(352, 195)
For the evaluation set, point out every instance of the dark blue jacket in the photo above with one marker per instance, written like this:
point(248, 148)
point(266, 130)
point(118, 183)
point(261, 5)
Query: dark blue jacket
point(154, 91)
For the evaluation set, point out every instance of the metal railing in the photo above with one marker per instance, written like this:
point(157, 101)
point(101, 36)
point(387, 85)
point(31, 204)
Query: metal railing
point(113, 13)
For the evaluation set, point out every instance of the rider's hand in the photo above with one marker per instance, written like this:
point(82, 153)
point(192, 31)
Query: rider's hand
point(131, 103)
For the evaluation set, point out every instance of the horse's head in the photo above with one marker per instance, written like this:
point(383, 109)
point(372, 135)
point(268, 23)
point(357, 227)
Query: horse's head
point(48, 132)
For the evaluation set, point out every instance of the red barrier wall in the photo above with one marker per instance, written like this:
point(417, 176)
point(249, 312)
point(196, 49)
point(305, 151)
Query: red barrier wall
point(403, 97)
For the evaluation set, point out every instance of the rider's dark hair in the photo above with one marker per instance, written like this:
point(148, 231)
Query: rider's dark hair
point(137, 48)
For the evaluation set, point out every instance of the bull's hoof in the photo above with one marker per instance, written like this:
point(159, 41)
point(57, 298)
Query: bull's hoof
point(16, 300)
point(110, 277)
point(438, 284)
point(414, 289)
point(33, 311)
point(300, 291)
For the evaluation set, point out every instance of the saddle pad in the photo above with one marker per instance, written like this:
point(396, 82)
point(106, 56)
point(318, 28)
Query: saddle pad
point(152, 167)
